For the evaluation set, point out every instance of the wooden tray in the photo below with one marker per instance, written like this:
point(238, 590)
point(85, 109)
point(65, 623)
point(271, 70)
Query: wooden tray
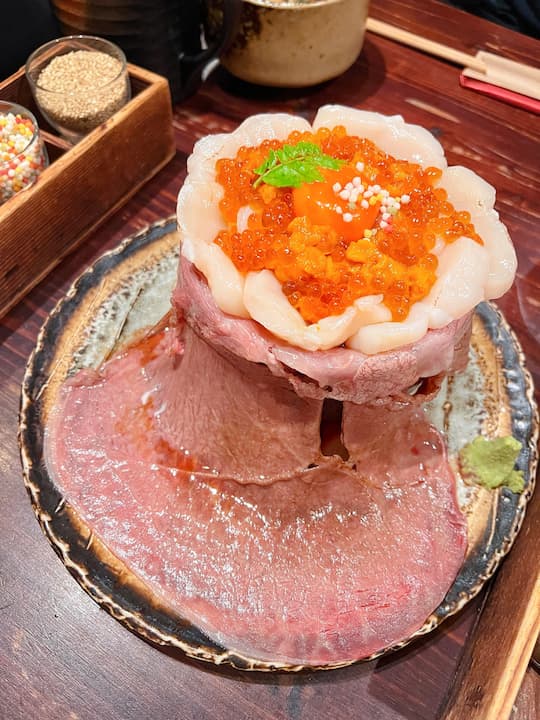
point(83, 184)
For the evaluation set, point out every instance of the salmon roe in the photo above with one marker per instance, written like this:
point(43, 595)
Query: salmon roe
point(368, 229)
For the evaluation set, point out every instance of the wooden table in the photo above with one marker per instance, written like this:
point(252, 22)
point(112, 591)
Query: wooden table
point(62, 657)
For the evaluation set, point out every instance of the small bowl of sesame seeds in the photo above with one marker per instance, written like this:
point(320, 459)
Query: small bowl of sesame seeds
point(22, 152)
point(78, 82)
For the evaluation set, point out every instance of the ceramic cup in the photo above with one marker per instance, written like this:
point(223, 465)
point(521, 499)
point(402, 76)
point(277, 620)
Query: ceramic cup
point(293, 43)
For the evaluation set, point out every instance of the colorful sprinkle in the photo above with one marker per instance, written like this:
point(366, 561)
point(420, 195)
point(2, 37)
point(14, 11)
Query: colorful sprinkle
point(21, 157)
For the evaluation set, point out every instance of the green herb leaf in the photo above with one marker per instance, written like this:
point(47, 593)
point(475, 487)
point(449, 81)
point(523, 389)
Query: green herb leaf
point(490, 463)
point(293, 165)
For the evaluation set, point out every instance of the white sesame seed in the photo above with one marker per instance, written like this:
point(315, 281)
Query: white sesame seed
point(364, 204)
point(349, 186)
point(336, 187)
point(376, 188)
point(356, 181)
point(405, 199)
point(386, 216)
point(81, 89)
point(368, 193)
point(383, 224)
point(344, 194)
point(347, 217)
point(360, 167)
point(338, 209)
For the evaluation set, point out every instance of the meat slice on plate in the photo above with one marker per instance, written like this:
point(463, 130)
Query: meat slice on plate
point(332, 564)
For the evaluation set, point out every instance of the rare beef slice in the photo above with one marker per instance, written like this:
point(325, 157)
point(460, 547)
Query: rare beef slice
point(327, 561)
point(234, 416)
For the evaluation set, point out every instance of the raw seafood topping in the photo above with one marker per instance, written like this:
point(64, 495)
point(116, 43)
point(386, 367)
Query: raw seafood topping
point(351, 230)
point(364, 225)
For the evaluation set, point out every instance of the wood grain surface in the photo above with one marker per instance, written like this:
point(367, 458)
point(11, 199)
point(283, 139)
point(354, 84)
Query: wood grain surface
point(61, 657)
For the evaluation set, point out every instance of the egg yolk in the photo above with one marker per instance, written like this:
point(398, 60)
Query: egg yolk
point(322, 204)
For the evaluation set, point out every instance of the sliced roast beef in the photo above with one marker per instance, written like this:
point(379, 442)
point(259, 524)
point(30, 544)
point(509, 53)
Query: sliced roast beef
point(330, 565)
point(339, 373)
point(233, 416)
point(379, 440)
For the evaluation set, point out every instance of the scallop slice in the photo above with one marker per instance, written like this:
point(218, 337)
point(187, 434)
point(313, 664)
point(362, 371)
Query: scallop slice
point(461, 276)
point(224, 280)
point(371, 309)
point(198, 216)
point(335, 329)
point(197, 208)
point(242, 218)
point(467, 191)
point(438, 318)
point(332, 330)
point(266, 303)
point(390, 133)
point(201, 164)
point(381, 337)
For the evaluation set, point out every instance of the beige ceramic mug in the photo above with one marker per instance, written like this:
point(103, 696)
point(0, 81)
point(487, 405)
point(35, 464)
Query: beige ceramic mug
point(293, 43)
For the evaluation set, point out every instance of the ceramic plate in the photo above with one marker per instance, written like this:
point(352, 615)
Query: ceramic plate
point(127, 290)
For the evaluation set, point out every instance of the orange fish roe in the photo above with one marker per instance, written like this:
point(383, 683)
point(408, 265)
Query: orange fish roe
point(369, 228)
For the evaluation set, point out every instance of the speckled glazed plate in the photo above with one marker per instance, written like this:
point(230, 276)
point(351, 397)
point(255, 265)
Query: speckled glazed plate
point(127, 290)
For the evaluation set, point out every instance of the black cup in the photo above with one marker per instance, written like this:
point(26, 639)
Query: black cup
point(165, 36)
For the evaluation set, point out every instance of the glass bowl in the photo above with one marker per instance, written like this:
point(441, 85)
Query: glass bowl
point(23, 154)
point(78, 82)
